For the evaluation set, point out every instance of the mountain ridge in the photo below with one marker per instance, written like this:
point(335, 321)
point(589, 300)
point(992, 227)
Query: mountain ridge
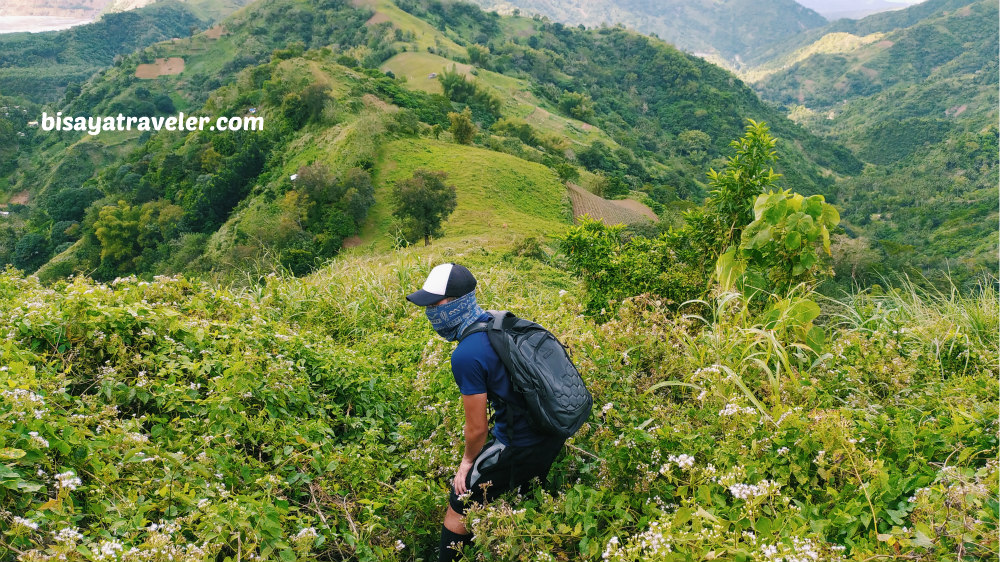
point(727, 32)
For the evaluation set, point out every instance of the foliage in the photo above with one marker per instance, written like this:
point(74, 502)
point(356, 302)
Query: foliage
point(317, 419)
point(579, 106)
point(762, 243)
point(455, 86)
point(783, 247)
point(614, 267)
point(731, 207)
point(423, 202)
point(31, 251)
point(462, 127)
point(39, 66)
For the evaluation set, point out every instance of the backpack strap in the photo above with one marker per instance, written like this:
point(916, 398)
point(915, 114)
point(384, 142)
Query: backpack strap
point(495, 323)
point(498, 318)
point(472, 329)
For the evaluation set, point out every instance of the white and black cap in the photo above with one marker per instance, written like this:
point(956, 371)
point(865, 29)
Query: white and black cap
point(445, 280)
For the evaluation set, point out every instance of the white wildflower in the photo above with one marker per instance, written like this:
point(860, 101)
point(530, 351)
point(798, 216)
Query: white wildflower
point(68, 535)
point(38, 440)
point(28, 523)
point(68, 480)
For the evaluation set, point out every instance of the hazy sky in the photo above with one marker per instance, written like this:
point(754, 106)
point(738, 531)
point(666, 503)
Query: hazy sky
point(854, 8)
point(837, 5)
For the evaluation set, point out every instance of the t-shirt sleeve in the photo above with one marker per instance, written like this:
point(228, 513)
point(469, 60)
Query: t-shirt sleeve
point(468, 368)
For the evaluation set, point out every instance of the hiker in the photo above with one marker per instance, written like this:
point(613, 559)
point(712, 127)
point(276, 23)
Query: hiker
point(514, 453)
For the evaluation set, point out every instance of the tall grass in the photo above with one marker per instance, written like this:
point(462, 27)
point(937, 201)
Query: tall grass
point(917, 312)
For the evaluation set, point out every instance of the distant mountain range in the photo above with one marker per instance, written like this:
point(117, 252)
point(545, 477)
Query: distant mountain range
point(727, 31)
point(41, 15)
point(53, 8)
point(345, 93)
point(854, 9)
point(891, 117)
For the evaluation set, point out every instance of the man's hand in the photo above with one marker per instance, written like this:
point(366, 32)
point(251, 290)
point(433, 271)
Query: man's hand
point(463, 472)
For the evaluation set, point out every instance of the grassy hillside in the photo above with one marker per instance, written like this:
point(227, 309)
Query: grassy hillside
point(338, 83)
point(496, 192)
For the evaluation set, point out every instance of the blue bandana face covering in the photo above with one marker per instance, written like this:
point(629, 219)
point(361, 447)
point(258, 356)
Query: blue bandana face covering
point(451, 318)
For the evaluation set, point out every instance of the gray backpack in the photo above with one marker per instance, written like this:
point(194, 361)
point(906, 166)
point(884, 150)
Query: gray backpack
point(540, 370)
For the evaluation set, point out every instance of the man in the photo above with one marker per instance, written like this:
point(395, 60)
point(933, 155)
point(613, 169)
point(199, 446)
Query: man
point(515, 453)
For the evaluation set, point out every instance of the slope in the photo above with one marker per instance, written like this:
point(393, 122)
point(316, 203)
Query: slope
point(916, 98)
point(39, 66)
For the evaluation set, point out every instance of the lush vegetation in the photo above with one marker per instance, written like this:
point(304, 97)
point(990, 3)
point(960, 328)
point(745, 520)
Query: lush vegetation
point(224, 199)
point(317, 418)
point(918, 103)
point(41, 66)
point(740, 415)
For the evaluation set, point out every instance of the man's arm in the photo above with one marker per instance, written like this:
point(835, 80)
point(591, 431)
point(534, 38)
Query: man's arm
point(476, 428)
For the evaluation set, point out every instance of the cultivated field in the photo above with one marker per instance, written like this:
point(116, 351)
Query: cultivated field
point(624, 211)
point(162, 67)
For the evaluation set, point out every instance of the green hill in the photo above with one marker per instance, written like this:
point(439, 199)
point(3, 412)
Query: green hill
point(39, 66)
point(914, 94)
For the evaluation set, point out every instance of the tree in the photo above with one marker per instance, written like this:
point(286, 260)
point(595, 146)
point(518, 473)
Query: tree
point(455, 86)
point(118, 228)
point(423, 202)
point(694, 144)
point(577, 105)
point(720, 223)
point(31, 251)
point(462, 127)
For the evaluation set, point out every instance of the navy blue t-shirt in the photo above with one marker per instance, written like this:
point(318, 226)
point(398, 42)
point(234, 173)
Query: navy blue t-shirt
point(477, 369)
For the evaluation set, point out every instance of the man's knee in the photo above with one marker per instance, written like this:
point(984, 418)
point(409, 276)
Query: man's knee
point(453, 522)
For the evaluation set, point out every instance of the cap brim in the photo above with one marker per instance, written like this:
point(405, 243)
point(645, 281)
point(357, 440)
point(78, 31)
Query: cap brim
point(423, 298)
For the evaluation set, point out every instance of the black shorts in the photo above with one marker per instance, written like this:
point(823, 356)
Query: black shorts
point(505, 468)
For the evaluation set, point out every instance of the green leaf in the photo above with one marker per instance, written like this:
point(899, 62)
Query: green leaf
point(11, 454)
point(728, 268)
point(813, 207)
point(793, 240)
point(761, 238)
point(662, 384)
point(830, 215)
point(815, 339)
point(921, 540)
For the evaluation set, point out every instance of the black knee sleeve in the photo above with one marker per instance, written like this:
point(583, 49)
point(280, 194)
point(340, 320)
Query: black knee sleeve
point(446, 552)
